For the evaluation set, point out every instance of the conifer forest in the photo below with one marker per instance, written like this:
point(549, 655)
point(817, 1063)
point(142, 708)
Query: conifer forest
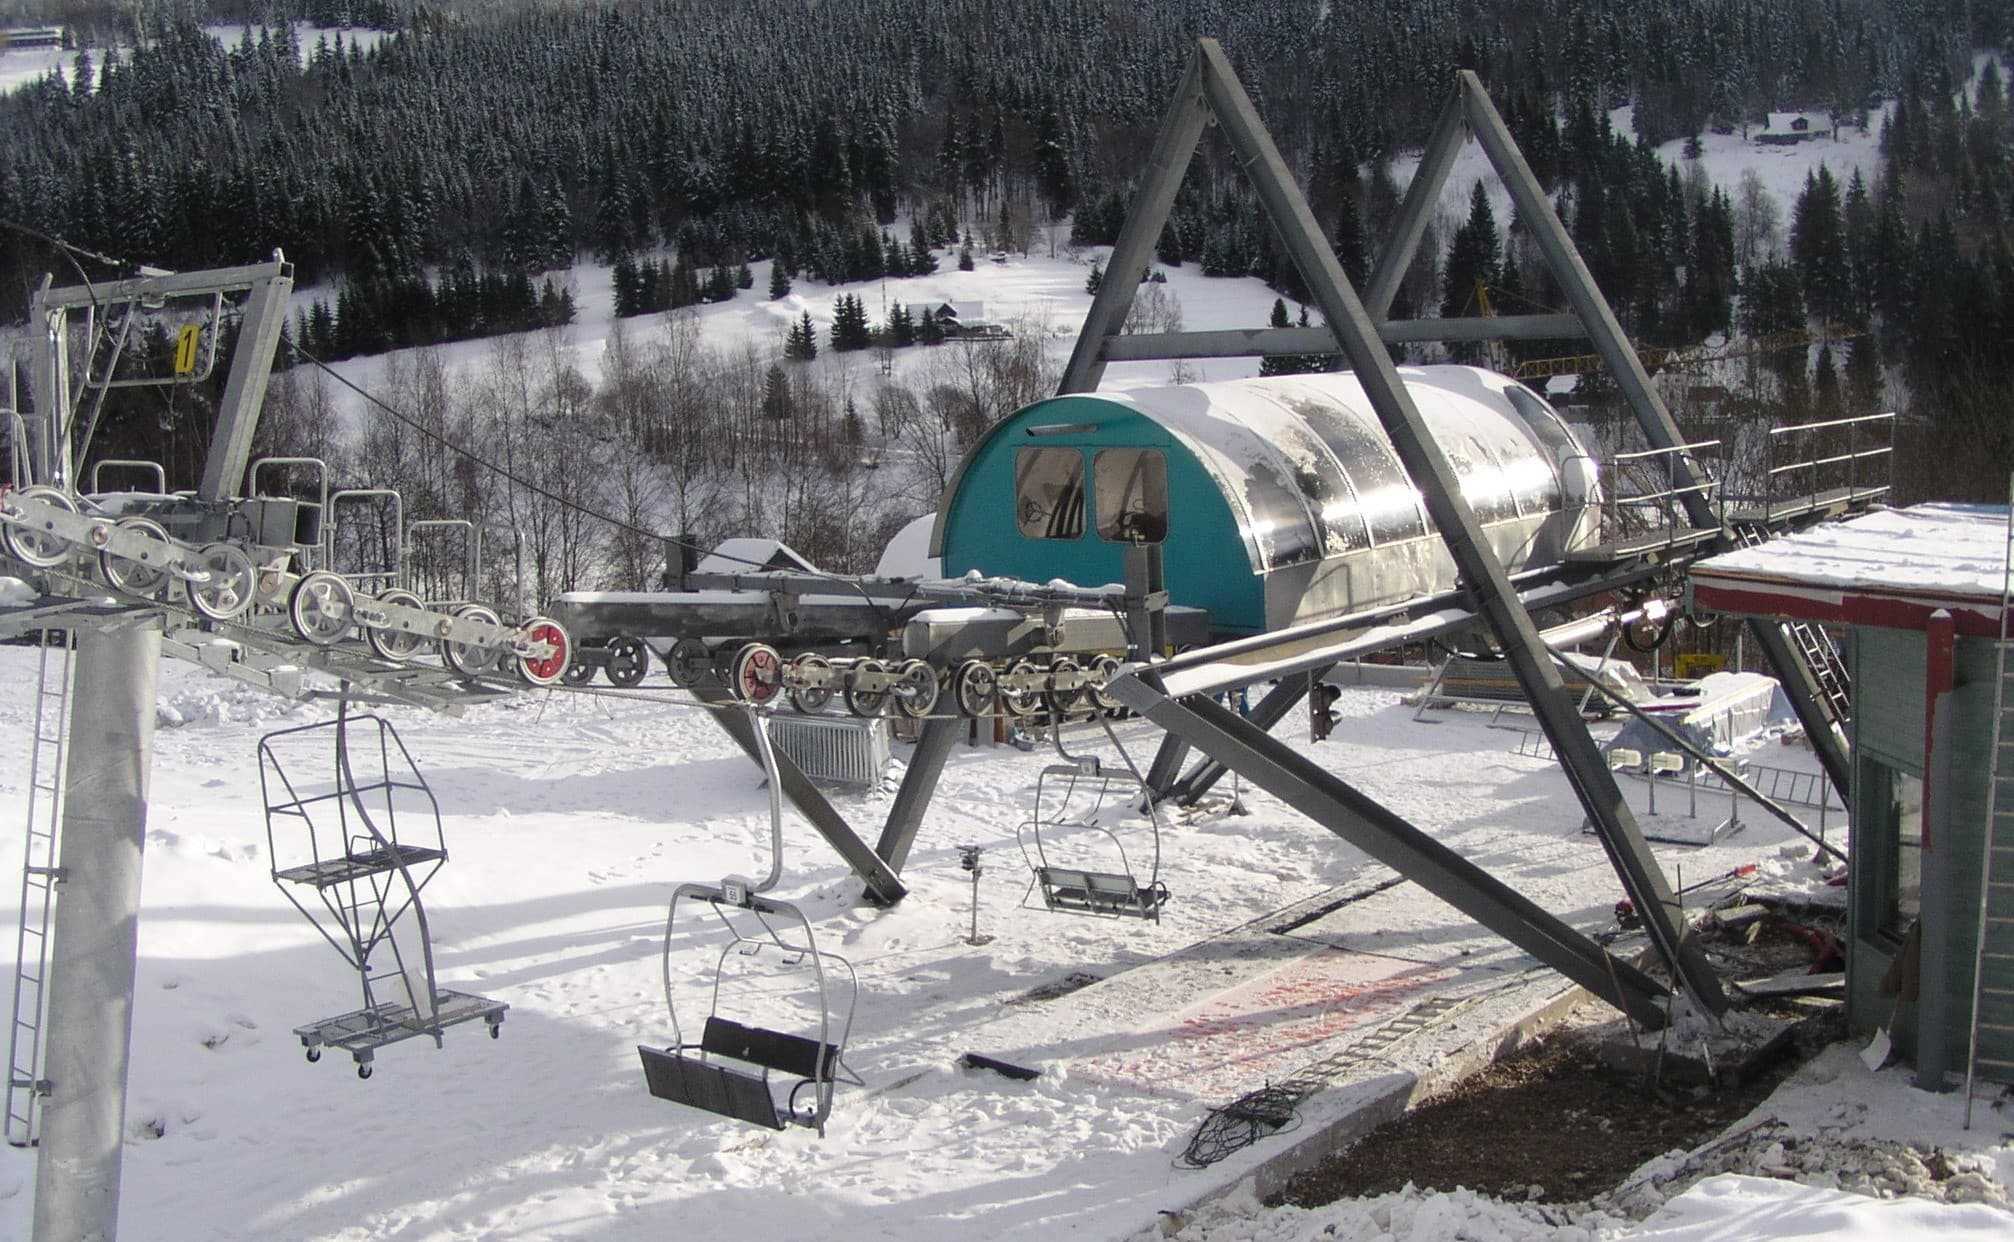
point(437, 185)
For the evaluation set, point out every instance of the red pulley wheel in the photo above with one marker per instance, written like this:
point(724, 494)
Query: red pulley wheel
point(758, 673)
point(545, 670)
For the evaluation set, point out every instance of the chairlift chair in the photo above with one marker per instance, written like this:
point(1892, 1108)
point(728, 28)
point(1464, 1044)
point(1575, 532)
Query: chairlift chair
point(736, 1069)
point(751, 1073)
point(1080, 890)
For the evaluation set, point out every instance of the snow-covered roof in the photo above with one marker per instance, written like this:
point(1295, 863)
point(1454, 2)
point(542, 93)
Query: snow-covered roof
point(744, 555)
point(908, 553)
point(1891, 568)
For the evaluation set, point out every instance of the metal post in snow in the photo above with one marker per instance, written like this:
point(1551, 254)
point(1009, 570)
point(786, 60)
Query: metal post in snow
point(94, 940)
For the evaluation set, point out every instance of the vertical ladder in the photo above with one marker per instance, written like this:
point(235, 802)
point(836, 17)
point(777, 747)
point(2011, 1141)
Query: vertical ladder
point(39, 875)
point(1828, 671)
point(1994, 946)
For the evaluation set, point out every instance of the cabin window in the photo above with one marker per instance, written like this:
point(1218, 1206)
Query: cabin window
point(1049, 492)
point(1131, 488)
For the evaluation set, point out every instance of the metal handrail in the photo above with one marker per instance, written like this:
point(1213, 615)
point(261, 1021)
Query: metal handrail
point(1851, 458)
point(121, 463)
point(395, 571)
point(1665, 501)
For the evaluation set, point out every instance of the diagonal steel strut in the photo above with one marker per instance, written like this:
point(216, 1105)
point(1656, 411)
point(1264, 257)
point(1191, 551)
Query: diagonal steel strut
point(1385, 835)
point(1481, 572)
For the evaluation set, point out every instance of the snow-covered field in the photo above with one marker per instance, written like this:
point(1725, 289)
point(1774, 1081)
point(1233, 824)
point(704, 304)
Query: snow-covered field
point(22, 65)
point(570, 818)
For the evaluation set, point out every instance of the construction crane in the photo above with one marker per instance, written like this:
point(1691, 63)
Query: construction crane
point(1660, 358)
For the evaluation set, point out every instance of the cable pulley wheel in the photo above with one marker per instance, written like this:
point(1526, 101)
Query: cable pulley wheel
point(1104, 668)
point(804, 681)
point(469, 659)
point(757, 675)
point(916, 689)
point(865, 703)
point(628, 661)
point(230, 582)
point(1027, 700)
point(144, 578)
point(976, 688)
point(322, 608)
point(537, 670)
point(42, 549)
point(1064, 699)
point(687, 662)
point(393, 644)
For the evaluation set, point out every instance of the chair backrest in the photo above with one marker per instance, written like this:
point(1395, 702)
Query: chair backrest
point(786, 1054)
point(1067, 878)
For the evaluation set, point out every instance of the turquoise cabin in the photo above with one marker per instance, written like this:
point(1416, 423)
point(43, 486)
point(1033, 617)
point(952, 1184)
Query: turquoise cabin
point(1276, 501)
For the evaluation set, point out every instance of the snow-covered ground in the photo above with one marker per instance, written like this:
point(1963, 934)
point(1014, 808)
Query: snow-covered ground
point(570, 818)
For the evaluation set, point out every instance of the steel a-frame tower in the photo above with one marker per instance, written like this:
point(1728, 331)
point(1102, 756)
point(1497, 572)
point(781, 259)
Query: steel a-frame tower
point(1356, 327)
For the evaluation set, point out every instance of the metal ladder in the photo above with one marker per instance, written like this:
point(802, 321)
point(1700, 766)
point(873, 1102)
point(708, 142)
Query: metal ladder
point(1995, 941)
point(1828, 671)
point(39, 875)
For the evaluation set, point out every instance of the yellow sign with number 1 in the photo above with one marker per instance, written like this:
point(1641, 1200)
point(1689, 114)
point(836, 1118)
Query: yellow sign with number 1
point(185, 349)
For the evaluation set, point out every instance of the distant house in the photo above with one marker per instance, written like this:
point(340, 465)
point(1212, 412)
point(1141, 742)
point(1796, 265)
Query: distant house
point(1787, 130)
point(950, 314)
point(32, 36)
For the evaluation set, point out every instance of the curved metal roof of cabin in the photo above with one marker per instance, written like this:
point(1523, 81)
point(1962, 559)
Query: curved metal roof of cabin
point(1291, 452)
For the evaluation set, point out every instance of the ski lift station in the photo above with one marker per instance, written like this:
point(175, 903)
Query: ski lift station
point(734, 994)
point(1921, 594)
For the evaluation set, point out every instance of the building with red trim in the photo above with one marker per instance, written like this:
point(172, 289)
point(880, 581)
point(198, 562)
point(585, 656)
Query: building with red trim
point(1916, 595)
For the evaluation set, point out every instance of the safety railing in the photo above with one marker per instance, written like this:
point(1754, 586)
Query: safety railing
point(370, 551)
point(152, 468)
point(1647, 492)
point(1809, 466)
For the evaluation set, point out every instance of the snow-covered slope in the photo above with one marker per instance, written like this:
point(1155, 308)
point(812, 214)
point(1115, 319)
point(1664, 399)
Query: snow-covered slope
point(568, 820)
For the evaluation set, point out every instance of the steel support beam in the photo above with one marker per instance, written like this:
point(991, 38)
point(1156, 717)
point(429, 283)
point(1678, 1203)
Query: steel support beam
point(1800, 686)
point(1440, 488)
point(49, 380)
point(95, 936)
point(168, 285)
point(1421, 198)
point(1173, 147)
point(1252, 342)
point(1167, 765)
point(1271, 710)
point(883, 885)
point(919, 782)
point(1383, 834)
point(1659, 429)
point(244, 397)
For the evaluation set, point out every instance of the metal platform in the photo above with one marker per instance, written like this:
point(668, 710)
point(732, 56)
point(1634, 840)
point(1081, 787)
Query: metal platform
point(357, 866)
point(1648, 544)
point(361, 1032)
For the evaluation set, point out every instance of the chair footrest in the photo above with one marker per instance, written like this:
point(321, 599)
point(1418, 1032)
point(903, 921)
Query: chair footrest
point(710, 1087)
point(1101, 892)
